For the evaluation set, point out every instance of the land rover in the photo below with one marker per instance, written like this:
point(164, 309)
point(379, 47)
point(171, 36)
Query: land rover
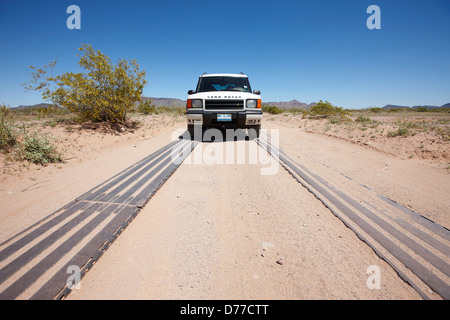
point(223, 101)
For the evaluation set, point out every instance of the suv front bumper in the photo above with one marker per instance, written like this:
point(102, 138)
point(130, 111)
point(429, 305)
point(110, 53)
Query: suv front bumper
point(239, 119)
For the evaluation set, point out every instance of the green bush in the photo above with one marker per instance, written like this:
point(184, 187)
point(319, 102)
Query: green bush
point(38, 149)
point(362, 119)
point(326, 109)
point(271, 109)
point(146, 107)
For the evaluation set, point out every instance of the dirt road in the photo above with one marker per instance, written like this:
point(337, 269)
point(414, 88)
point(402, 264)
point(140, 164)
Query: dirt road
point(226, 231)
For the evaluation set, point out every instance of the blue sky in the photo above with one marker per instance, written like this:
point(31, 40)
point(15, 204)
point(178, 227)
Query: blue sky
point(290, 49)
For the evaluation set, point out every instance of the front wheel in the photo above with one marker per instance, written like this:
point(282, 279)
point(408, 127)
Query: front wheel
point(254, 131)
point(191, 128)
point(258, 130)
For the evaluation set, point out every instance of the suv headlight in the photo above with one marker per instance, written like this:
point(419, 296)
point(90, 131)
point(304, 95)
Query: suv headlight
point(251, 103)
point(197, 103)
point(194, 103)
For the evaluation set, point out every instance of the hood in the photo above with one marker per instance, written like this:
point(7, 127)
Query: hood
point(223, 95)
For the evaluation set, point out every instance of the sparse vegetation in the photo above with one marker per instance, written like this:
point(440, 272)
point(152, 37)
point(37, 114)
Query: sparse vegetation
point(271, 109)
point(427, 134)
point(403, 128)
point(23, 145)
point(362, 119)
point(296, 111)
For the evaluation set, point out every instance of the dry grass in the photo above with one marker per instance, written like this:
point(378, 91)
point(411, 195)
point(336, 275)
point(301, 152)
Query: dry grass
point(407, 134)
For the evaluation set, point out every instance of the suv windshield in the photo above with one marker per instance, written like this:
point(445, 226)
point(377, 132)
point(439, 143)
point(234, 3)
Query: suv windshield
point(206, 84)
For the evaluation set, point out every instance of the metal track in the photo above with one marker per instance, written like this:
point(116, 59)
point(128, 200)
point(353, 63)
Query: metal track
point(36, 263)
point(415, 247)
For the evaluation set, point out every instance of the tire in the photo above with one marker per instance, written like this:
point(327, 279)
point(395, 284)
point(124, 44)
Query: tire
point(254, 131)
point(191, 129)
point(258, 130)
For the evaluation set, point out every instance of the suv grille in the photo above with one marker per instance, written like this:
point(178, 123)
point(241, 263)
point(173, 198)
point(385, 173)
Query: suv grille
point(224, 104)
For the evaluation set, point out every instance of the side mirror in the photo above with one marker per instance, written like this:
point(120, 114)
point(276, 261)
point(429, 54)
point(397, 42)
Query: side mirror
point(191, 92)
point(256, 92)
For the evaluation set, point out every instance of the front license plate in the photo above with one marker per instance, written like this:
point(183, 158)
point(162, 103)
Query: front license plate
point(224, 117)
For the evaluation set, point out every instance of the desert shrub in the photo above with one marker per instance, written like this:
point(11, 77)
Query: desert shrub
point(146, 107)
point(105, 92)
point(326, 109)
point(444, 132)
point(422, 109)
point(33, 147)
point(38, 149)
point(271, 109)
point(336, 120)
point(403, 129)
point(393, 110)
point(376, 110)
point(362, 119)
point(8, 131)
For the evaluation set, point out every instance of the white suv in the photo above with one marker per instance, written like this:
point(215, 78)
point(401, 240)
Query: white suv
point(224, 101)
